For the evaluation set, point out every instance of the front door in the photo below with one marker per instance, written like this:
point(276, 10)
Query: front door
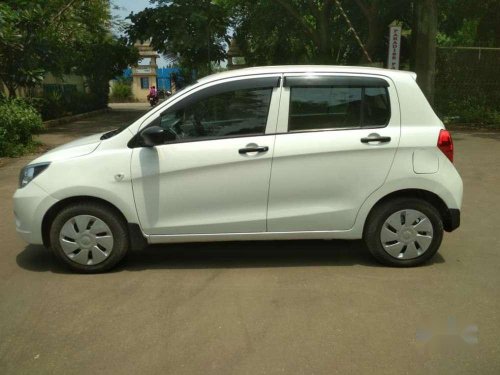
point(214, 176)
point(337, 137)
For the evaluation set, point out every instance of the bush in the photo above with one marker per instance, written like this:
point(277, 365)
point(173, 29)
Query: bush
point(56, 104)
point(122, 91)
point(53, 106)
point(18, 122)
point(476, 114)
point(471, 110)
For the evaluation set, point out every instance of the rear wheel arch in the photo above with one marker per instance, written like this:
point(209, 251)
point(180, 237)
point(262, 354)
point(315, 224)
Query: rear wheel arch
point(424, 195)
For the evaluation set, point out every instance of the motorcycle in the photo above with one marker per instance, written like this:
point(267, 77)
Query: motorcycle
point(153, 100)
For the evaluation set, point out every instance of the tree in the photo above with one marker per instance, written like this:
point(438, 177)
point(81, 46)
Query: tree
point(37, 36)
point(373, 18)
point(270, 31)
point(100, 60)
point(327, 31)
point(466, 23)
point(292, 31)
point(193, 30)
point(20, 52)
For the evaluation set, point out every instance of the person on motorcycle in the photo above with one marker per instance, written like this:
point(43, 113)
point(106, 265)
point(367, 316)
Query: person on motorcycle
point(153, 96)
point(152, 92)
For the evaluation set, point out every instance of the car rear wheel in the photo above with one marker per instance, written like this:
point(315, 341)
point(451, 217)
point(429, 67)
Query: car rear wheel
point(404, 232)
point(89, 237)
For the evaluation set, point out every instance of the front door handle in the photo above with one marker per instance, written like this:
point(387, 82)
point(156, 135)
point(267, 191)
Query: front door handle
point(375, 138)
point(248, 150)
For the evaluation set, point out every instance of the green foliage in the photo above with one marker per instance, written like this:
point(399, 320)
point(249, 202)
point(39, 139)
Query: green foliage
point(20, 37)
point(267, 31)
point(18, 122)
point(471, 112)
point(122, 92)
point(475, 108)
point(55, 104)
point(465, 90)
point(195, 29)
point(100, 59)
point(469, 23)
point(60, 36)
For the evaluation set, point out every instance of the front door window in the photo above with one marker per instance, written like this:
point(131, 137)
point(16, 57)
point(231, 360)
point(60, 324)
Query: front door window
point(228, 114)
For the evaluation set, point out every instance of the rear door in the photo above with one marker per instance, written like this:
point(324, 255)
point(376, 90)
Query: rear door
point(336, 140)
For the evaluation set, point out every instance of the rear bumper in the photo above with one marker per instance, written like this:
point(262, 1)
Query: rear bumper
point(452, 222)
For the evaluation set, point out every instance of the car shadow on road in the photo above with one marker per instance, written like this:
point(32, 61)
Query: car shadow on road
point(256, 254)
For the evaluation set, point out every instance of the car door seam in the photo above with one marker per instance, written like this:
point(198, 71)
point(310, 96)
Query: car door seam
point(273, 151)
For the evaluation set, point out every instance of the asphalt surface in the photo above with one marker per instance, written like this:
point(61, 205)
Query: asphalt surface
point(301, 307)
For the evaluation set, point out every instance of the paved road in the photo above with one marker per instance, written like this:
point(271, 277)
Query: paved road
point(303, 307)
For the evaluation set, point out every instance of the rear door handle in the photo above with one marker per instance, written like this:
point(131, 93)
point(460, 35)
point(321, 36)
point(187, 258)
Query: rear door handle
point(375, 138)
point(247, 150)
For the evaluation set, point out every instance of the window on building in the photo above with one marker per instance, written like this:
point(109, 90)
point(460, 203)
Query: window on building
point(144, 83)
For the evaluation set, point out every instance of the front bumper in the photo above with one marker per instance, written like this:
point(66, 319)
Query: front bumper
point(30, 205)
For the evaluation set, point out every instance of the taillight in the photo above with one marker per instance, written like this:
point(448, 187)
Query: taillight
point(445, 144)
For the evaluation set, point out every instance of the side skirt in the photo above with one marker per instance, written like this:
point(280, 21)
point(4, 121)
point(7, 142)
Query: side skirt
point(260, 236)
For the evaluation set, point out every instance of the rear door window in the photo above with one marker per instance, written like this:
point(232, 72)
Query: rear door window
point(335, 103)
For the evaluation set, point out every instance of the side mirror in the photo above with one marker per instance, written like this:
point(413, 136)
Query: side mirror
point(152, 136)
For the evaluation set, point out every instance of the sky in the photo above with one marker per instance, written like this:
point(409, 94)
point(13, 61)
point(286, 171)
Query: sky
point(127, 6)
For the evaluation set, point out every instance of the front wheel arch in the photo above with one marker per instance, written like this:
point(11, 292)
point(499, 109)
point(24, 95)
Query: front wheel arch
point(50, 215)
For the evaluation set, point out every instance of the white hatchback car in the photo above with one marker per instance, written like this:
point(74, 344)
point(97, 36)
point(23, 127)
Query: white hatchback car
point(271, 153)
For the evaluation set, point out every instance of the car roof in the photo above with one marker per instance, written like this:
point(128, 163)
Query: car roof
point(308, 69)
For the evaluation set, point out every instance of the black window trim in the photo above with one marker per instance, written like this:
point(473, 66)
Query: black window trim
point(240, 84)
point(334, 80)
point(189, 90)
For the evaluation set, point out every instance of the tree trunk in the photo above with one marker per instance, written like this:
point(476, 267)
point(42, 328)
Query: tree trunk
point(424, 39)
point(374, 36)
point(325, 55)
point(12, 91)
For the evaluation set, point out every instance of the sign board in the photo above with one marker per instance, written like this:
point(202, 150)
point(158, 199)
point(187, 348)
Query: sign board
point(394, 47)
point(143, 70)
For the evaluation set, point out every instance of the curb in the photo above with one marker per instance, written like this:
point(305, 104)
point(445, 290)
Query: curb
point(68, 119)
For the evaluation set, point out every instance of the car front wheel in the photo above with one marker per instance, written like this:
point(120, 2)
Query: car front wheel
point(404, 232)
point(89, 237)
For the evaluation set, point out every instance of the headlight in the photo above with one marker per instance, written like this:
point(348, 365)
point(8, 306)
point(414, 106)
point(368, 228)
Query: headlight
point(29, 172)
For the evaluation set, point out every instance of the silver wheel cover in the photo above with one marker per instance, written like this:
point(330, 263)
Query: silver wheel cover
point(86, 240)
point(406, 234)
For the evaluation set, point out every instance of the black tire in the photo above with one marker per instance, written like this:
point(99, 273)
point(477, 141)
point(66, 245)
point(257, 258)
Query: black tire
point(115, 223)
point(381, 213)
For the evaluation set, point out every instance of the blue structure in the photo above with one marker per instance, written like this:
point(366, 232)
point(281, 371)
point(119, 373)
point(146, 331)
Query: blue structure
point(162, 76)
